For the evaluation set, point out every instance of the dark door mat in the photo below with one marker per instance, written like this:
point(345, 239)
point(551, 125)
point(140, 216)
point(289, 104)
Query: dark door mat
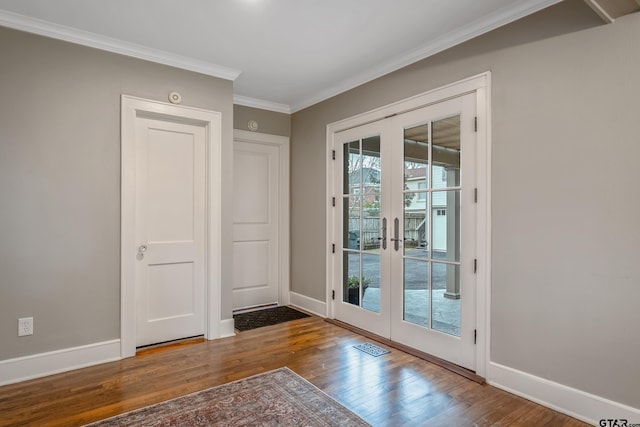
point(266, 317)
point(372, 349)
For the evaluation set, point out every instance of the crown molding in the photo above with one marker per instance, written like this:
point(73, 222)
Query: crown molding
point(481, 26)
point(85, 38)
point(261, 104)
point(600, 11)
point(516, 11)
point(610, 10)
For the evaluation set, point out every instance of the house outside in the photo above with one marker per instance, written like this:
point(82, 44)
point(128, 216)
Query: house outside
point(365, 225)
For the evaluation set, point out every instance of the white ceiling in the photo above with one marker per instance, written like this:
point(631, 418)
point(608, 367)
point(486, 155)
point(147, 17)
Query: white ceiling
point(283, 55)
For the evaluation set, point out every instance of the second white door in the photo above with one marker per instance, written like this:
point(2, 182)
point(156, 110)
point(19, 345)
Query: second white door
point(256, 226)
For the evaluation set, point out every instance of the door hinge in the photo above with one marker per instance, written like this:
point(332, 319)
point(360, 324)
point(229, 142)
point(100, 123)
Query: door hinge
point(475, 336)
point(333, 154)
point(475, 124)
point(333, 294)
point(475, 195)
point(333, 248)
point(333, 202)
point(475, 265)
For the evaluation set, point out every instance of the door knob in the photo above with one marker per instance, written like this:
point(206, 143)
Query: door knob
point(396, 234)
point(384, 233)
point(141, 250)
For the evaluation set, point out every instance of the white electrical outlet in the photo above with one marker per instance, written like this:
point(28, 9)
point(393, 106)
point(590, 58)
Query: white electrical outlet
point(25, 326)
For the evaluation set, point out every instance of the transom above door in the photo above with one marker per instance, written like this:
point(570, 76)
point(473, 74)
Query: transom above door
point(405, 226)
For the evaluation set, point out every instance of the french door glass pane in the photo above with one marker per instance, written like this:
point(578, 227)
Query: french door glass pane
point(361, 222)
point(351, 170)
point(352, 208)
point(416, 230)
point(350, 274)
point(370, 282)
point(445, 298)
point(416, 292)
point(432, 225)
point(445, 243)
point(445, 140)
point(416, 162)
point(416, 184)
point(370, 231)
point(371, 176)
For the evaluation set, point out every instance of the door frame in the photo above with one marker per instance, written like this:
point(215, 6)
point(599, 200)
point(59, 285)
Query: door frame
point(282, 143)
point(132, 108)
point(481, 86)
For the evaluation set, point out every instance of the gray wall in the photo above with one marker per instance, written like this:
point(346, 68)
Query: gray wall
point(566, 143)
point(60, 184)
point(268, 121)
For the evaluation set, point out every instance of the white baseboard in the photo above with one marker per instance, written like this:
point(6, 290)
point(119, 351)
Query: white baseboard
point(570, 401)
point(55, 362)
point(319, 308)
point(227, 328)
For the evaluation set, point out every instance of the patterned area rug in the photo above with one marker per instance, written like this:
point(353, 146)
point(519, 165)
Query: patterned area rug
point(266, 317)
point(275, 398)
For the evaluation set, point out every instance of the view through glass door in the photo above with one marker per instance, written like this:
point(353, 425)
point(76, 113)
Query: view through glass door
point(364, 211)
point(407, 229)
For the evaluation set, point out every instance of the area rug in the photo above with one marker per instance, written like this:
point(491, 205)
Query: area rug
point(266, 317)
point(275, 398)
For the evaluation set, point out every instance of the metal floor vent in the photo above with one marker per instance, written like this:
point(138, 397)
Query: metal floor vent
point(371, 349)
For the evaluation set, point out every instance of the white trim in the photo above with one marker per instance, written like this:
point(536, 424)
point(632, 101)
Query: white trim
point(282, 142)
point(227, 328)
point(481, 85)
point(470, 84)
point(309, 304)
point(97, 41)
point(600, 11)
point(131, 108)
point(483, 226)
point(261, 104)
point(55, 362)
point(481, 26)
point(573, 402)
point(330, 176)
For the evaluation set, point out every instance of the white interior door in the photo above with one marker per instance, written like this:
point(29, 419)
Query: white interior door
point(256, 224)
point(170, 230)
point(406, 226)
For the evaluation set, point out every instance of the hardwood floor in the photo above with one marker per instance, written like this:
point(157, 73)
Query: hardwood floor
point(396, 389)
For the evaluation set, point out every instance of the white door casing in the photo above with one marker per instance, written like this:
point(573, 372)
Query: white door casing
point(170, 230)
point(480, 87)
point(132, 111)
point(260, 229)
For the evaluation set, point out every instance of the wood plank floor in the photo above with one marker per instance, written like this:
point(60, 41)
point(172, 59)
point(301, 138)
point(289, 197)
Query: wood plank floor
point(395, 389)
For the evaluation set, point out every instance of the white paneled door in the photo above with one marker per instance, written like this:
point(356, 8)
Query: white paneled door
point(170, 230)
point(257, 219)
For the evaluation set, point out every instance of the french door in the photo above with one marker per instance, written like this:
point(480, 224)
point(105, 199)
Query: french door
point(405, 220)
